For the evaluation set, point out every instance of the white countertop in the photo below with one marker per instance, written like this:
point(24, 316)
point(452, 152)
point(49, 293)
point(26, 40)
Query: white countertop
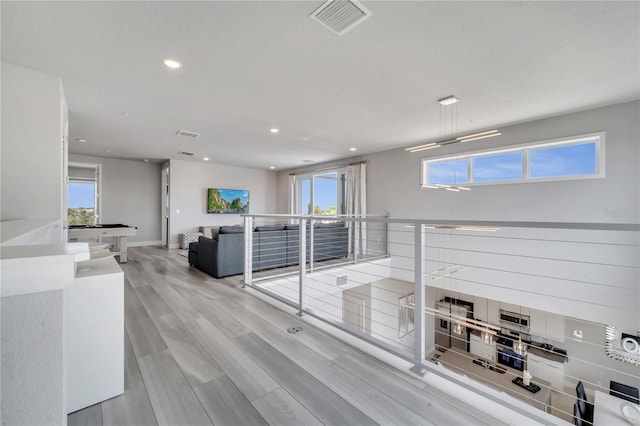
point(37, 268)
point(30, 231)
point(462, 362)
point(607, 410)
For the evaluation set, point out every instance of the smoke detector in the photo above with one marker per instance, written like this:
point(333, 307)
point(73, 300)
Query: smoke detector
point(340, 15)
point(187, 134)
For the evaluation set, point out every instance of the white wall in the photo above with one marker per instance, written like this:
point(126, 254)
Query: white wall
point(32, 187)
point(394, 187)
point(189, 181)
point(394, 177)
point(32, 150)
point(131, 194)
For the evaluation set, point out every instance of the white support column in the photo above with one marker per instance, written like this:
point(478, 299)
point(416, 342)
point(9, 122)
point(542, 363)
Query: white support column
point(311, 236)
point(418, 317)
point(248, 250)
point(302, 264)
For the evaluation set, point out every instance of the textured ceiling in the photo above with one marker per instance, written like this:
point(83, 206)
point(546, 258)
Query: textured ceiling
point(250, 66)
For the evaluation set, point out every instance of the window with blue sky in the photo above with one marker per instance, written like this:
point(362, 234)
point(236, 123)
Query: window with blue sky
point(498, 167)
point(321, 193)
point(572, 158)
point(448, 172)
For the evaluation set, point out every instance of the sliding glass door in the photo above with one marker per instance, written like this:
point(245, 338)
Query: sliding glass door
point(321, 193)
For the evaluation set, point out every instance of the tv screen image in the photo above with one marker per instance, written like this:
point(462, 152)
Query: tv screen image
point(227, 201)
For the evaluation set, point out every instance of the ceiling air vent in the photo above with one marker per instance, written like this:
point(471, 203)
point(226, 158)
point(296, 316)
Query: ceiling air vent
point(187, 134)
point(188, 154)
point(340, 15)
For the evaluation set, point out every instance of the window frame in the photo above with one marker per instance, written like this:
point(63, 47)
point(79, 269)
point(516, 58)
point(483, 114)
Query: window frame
point(97, 189)
point(598, 137)
point(340, 188)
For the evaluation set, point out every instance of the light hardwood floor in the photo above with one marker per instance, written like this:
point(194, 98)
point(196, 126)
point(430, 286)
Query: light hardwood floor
point(201, 351)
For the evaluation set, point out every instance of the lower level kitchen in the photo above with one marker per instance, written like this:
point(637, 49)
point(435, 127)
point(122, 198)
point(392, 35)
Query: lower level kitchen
point(525, 353)
point(538, 357)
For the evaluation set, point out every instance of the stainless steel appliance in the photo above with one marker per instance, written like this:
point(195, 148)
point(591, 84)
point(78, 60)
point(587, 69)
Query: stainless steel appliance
point(514, 320)
point(449, 332)
point(504, 349)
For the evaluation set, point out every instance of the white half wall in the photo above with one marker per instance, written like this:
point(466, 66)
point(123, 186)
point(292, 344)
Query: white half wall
point(131, 194)
point(188, 184)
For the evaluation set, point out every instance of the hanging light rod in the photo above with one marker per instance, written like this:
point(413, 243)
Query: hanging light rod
point(449, 100)
point(467, 138)
point(452, 188)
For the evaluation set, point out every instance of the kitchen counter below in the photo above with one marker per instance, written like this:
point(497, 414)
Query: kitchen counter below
point(462, 362)
point(543, 353)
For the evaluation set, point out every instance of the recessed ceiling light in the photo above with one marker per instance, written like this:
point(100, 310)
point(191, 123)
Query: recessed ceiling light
point(205, 158)
point(449, 100)
point(272, 167)
point(352, 149)
point(81, 140)
point(172, 63)
point(274, 130)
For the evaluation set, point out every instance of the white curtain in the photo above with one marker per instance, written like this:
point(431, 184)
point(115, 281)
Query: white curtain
point(293, 195)
point(357, 206)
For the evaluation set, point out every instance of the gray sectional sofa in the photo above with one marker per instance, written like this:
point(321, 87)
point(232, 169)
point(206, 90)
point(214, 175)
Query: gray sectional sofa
point(274, 246)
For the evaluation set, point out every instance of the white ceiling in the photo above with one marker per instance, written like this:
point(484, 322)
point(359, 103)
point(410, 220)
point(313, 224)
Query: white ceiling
point(250, 66)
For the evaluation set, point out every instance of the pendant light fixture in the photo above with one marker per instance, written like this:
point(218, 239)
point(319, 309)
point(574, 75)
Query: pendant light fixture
point(458, 328)
point(486, 336)
point(449, 127)
point(520, 347)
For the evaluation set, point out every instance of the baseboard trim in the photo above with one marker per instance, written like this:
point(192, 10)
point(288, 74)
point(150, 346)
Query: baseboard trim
point(174, 245)
point(143, 243)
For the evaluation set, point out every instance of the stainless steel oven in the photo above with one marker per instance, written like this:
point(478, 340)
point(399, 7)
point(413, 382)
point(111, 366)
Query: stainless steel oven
point(514, 320)
point(507, 356)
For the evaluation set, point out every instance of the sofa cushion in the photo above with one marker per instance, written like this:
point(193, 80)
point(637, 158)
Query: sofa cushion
point(210, 231)
point(187, 238)
point(269, 228)
point(237, 229)
point(215, 230)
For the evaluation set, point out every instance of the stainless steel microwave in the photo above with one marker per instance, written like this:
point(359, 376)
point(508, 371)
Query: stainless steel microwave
point(514, 320)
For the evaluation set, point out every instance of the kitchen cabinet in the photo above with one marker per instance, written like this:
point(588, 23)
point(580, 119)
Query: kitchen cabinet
point(547, 325)
point(494, 311)
point(545, 369)
point(480, 309)
point(555, 327)
point(481, 349)
point(538, 323)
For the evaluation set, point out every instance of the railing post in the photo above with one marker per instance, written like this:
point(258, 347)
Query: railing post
point(387, 234)
point(356, 240)
point(302, 264)
point(248, 250)
point(311, 251)
point(418, 315)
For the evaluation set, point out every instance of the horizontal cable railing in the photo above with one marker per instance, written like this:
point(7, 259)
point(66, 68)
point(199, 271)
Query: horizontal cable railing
point(370, 275)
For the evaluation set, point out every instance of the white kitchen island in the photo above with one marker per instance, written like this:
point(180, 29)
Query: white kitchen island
point(96, 335)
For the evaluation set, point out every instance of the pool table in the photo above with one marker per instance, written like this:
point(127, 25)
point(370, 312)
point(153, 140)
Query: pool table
point(117, 231)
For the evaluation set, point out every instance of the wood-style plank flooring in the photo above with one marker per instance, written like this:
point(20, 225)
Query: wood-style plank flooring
point(201, 351)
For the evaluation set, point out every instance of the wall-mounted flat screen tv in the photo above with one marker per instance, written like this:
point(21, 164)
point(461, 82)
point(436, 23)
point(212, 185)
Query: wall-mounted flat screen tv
point(227, 201)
